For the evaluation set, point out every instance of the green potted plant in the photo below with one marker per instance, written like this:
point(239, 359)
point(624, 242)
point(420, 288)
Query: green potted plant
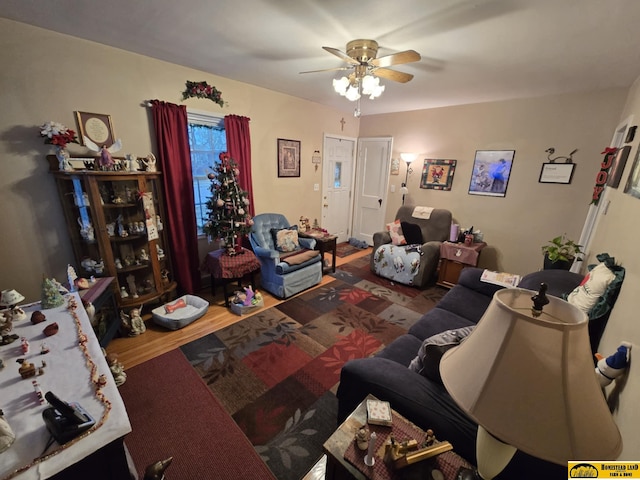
point(560, 253)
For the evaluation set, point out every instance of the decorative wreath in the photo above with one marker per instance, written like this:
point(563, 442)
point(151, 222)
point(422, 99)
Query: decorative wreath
point(203, 90)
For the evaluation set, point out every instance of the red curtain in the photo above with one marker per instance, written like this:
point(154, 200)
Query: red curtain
point(239, 148)
point(170, 123)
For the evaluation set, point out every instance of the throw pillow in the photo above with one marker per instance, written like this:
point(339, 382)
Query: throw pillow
point(395, 230)
point(412, 233)
point(586, 295)
point(286, 239)
point(427, 362)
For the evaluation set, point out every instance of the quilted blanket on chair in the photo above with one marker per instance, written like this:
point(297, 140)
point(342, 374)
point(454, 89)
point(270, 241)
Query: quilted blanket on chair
point(399, 263)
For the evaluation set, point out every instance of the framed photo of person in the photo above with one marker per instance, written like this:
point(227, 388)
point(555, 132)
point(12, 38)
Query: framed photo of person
point(288, 158)
point(491, 171)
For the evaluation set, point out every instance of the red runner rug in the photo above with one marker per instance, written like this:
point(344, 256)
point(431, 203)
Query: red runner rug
point(174, 414)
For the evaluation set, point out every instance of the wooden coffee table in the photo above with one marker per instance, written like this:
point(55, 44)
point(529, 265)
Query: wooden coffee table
point(339, 468)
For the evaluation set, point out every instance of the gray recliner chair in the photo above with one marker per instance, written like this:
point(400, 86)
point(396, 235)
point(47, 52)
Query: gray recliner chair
point(283, 274)
point(413, 264)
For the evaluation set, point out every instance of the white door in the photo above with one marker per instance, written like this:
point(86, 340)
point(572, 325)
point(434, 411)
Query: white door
point(337, 185)
point(372, 167)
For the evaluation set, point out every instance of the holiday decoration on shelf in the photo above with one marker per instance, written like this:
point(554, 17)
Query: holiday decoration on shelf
point(228, 207)
point(203, 90)
point(55, 133)
point(51, 297)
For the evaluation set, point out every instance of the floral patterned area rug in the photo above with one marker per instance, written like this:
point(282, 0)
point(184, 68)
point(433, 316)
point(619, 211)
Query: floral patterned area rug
point(276, 372)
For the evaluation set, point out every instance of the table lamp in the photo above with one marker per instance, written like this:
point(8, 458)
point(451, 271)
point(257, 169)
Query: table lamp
point(526, 376)
point(10, 299)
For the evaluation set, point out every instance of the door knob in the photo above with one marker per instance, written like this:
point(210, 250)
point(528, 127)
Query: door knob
point(325, 205)
point(380, 201)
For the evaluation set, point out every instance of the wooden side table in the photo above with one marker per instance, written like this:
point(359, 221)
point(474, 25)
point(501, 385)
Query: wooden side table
point(339, 468)
point(228, 269)
point(324, 243)
point(453, 258)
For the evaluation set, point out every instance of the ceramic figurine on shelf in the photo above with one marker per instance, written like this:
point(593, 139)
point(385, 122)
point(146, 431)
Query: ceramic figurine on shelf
point(123, 292)
point(150, 162)
point(117, 369)
point(131, 281)
point(7, 436)
point(105, 162)
point(6, 322)
point(133, 322)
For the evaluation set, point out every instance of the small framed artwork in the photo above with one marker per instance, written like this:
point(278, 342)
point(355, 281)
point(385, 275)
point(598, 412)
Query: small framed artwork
point(395, 166)
point(615, 174)
point(288, 158)
point(632, 186)
point(97, 127)
point(437, 174)
point(556, 172)
point(491, 172)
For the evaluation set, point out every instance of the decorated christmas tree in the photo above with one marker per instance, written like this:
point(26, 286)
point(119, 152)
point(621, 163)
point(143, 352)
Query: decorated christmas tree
point(228, 207)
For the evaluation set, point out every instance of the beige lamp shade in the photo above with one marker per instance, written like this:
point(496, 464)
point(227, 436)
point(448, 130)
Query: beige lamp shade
point(530, 382)
point(10, 297)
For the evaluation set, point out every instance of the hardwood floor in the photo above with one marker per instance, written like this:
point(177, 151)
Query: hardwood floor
point(156, 340)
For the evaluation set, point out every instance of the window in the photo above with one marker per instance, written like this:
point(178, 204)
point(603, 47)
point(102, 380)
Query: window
point(207, 139)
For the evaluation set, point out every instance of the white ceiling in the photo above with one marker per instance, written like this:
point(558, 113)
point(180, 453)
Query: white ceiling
point(472, 50)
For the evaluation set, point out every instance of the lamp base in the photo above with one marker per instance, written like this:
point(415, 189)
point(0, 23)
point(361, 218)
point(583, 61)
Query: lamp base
point(492, 454)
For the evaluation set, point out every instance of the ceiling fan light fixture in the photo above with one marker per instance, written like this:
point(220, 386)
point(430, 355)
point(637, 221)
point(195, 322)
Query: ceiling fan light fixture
point(352, 93)
point(371, 86)
point(340, 85)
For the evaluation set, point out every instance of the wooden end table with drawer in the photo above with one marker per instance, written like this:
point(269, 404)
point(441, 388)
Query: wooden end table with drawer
point(339, 468)
point(453, 258)
point(325, 242)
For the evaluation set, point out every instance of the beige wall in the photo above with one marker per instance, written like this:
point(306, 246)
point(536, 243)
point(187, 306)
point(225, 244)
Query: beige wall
point(47, 76)
point(517, 225)
point(617, 234)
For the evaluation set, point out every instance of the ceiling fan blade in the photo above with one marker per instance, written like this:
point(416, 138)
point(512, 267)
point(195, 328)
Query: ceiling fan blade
point(392, 75)
point(328, 70)
point(407, 56)
point(342, 55)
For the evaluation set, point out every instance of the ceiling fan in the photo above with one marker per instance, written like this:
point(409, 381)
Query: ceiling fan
point(361, 57)
point(365, 67)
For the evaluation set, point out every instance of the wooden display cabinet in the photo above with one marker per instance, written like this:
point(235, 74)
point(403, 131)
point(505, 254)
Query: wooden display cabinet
point(115, 226)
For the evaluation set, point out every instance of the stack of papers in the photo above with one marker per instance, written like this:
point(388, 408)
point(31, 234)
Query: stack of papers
point(503, 279)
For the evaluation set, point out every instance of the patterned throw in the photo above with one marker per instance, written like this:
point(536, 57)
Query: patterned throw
point(276, 372)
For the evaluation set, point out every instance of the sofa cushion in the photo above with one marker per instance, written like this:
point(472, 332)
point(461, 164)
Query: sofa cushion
point(437, 320)
point(412, 233)
point(586, 295)
point(427, 362)
point(395, 230)
point(286, 239)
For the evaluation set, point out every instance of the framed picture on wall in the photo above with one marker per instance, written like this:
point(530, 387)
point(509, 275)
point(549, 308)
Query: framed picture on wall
point(615, 174)
point(632, 187)
point(491, 171)
point(288, 158)
point(556, 172)
point(97, 127)
point(437, 174)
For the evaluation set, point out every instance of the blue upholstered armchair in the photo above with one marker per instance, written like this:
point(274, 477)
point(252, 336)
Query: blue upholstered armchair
point(284, 274)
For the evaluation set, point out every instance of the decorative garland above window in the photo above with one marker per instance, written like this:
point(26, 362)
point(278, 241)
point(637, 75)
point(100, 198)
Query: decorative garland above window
point(203, 90)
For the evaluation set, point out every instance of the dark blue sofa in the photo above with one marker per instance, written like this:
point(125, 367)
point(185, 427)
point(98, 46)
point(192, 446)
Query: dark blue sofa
point(427, 403)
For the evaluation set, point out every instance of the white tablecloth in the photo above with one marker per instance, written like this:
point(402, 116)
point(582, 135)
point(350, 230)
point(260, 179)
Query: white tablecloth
point(67, 375)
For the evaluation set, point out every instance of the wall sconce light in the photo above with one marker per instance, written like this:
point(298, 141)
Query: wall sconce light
point(316, 158)
point(408, 158)
point(552, 150)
